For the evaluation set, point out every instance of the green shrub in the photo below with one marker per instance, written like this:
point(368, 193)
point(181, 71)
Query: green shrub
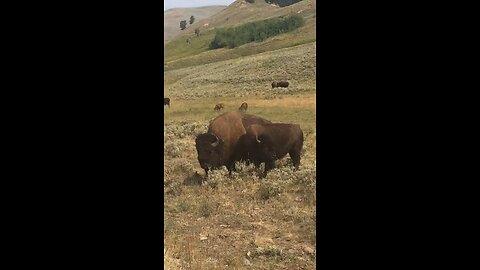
point(255, 31)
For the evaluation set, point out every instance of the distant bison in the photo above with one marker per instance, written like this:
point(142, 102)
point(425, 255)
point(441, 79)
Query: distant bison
point(166, 101)
point(270, 142)
point(243, 107)
point(280, 84)
point(218, 146)
point(219, 106)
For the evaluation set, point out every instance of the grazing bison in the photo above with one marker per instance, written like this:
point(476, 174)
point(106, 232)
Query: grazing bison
point(270, 142)
point(219, 106)
point(166, 101)
point(280, 84)
point(218, 146)
point(243, 107)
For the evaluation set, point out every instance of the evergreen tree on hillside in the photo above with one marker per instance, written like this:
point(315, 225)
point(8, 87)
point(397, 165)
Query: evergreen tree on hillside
point(192, 19)
point(183, 25)
point(282, 3)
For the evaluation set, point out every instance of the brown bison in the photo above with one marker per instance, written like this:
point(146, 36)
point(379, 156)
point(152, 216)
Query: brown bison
point(166, 101)
point(243, 107)
point(280, 84)
point(218, 146)
point(270, 142)
point(219, 106)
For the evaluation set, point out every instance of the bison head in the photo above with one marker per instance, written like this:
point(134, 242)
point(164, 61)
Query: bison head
point(245, 148)
point(256, 148)
point(264, 148)
point(209, 150)
point(274, 84)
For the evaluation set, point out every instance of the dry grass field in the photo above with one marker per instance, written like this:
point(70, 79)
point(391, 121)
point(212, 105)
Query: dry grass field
point(240, 221)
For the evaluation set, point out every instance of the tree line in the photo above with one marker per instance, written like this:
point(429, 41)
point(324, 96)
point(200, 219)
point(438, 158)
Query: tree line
point(255, 31)
point(282, 3)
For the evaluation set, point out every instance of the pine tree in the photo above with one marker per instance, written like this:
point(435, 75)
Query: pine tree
point(183, 25)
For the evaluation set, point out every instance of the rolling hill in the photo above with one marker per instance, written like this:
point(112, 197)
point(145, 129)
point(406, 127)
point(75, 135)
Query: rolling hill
point(178, 53)
point(173, 17)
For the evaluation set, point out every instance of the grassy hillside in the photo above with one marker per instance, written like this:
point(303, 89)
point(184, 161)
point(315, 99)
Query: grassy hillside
point(241, 12)
point(179, 53)
point(250, 75)
point(172, 18)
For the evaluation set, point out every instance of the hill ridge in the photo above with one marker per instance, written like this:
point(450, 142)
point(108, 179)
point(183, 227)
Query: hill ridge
point(188, 49)
point(173, 16)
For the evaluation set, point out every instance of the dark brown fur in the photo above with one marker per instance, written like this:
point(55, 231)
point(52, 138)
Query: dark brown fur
point(166, 101)
point(218, 146)
point(275, 141)
point(280, 84)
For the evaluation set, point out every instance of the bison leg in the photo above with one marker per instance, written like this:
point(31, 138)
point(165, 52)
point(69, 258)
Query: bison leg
point(295, 155)
point(269, 165)
point(230, 168)
point(206, 172)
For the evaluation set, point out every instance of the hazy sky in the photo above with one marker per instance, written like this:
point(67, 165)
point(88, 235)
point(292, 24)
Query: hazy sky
point(168, 4)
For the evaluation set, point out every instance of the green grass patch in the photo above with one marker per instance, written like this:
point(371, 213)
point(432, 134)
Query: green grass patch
point(179, 48)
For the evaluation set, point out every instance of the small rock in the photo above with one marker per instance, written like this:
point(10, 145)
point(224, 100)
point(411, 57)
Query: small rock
point(248, 254)
point(246, 262)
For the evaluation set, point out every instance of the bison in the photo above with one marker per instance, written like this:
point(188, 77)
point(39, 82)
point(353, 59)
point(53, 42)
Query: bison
point(218, 146)
point(270, 142)
point(166, 101)
point(219, 106)
point(280, 84)
point(243, 107)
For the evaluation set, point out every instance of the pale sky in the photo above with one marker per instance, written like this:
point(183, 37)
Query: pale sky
point(168, 4)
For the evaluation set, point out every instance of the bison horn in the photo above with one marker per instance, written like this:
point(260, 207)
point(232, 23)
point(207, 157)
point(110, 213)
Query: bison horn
point(215, 143)
point(256, 137)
